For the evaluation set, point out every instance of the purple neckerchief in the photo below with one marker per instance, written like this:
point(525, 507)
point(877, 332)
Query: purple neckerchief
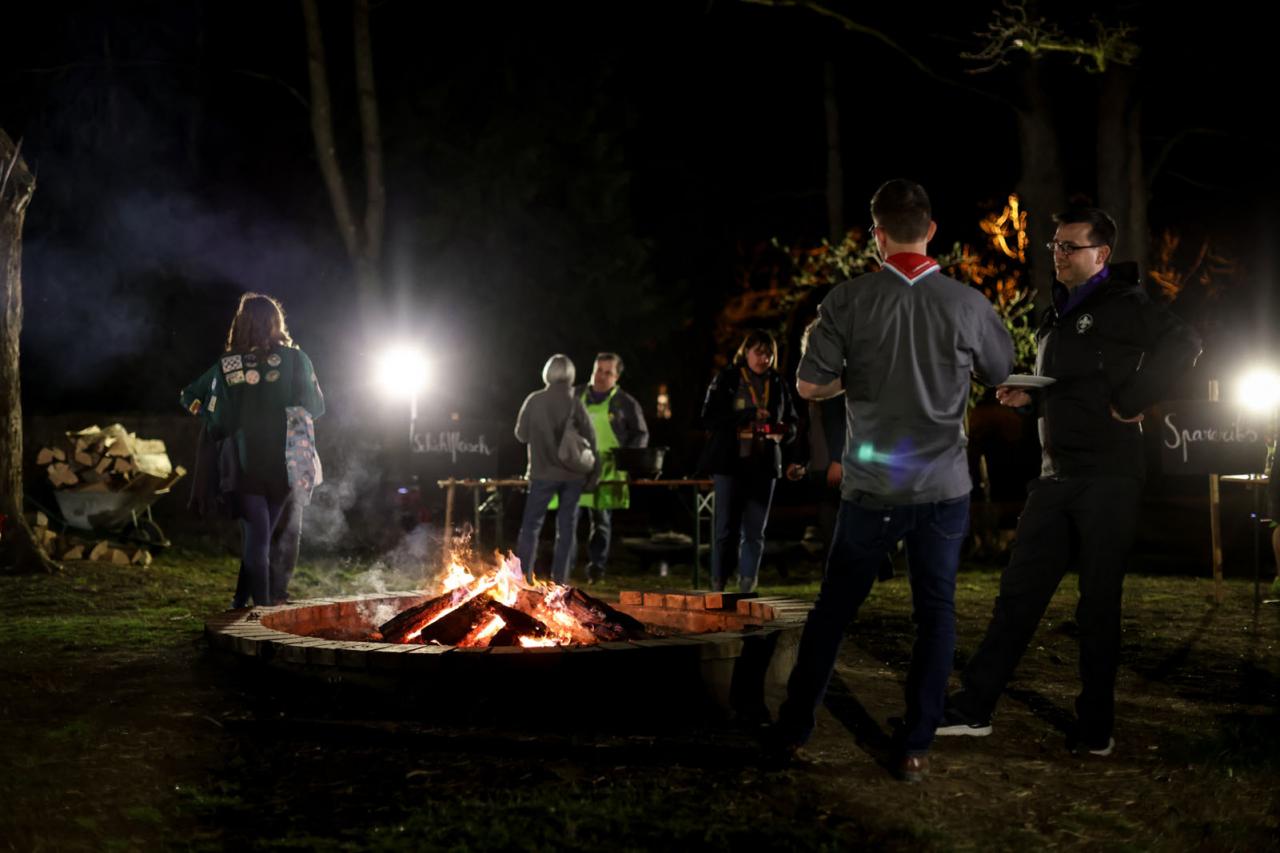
point(1065, 299)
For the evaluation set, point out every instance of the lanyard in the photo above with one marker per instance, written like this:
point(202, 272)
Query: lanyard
point(751, 389)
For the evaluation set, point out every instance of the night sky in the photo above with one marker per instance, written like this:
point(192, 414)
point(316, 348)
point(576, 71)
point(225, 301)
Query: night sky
point(561, 176)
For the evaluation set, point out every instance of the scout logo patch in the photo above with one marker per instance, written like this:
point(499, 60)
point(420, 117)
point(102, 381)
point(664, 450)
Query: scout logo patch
point(252, 377)
point(230, 363)
point(213, 403)
point(273, 375)
point(250, 360)
point(1084, 323)
point(235, 378)
point(194, 408)
point(273, 360)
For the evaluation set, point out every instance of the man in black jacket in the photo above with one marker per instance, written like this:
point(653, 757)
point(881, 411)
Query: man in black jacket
point(1111, 352)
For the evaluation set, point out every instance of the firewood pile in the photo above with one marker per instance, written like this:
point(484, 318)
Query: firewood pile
point(68, 546)
point(104, 480)
point(102, 459)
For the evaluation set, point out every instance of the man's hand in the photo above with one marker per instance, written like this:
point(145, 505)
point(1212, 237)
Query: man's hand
point(1012, 397)
point(795, 471)
point(835, 472)
point(1136, 419)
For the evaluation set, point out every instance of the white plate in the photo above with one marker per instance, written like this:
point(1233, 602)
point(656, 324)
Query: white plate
point(1026, 380)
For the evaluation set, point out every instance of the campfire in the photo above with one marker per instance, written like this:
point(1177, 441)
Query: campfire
point(500, 608)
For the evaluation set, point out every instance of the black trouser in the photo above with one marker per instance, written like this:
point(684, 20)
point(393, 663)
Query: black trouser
point(1086, 524)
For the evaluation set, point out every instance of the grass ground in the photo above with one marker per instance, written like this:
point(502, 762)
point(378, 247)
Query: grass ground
point(121, 731)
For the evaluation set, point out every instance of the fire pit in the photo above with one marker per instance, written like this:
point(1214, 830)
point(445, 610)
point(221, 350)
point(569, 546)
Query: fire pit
point(724, 652)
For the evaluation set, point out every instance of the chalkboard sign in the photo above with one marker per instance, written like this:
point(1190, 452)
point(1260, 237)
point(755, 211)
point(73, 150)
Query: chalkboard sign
point(1202, 437)
point(462, 449)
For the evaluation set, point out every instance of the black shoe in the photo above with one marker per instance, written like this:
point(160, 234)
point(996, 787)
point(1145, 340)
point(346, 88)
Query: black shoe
point(956, 724)
point(1098, 747)
point(778, 749)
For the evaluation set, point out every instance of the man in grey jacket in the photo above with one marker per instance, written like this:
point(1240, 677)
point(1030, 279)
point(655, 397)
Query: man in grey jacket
point(540, 425)
point(901, 344)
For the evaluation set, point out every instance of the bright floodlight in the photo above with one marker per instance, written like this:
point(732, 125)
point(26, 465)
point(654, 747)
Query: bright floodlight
point(1259, 389)
point(403, 371)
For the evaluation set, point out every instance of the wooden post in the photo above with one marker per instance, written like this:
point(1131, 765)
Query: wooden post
point(1215, 516)
point(446, 541)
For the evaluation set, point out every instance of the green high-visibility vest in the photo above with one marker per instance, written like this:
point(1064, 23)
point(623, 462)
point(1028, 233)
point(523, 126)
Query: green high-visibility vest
point(607, 495)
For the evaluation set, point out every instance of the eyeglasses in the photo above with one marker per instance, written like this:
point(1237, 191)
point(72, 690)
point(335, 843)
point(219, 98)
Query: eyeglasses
point(1068, 249)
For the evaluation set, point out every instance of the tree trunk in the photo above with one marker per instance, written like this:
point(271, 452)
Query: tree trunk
point(835, 167)
point(18, 549)
point(1122, 189)
point(375, 203)
point(1040, 186)
point(363, 240)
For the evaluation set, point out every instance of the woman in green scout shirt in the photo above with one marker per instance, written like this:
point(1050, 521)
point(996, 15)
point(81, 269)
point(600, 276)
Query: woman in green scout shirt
point(618, 422)
point(750, 413)
point(263, 397)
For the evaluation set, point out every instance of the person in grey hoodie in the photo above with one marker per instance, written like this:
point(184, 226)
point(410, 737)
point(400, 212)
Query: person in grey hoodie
point(540, 425)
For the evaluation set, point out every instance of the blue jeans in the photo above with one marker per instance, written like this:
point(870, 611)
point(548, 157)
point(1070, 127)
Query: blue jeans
point(258, 518)
point(535, 511)
point(864, 537)
point(742, 508)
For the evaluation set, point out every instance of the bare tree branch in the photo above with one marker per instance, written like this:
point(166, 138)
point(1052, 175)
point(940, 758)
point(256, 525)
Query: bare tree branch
point(862, 29)
point(375, 203)
point(322, 130)
point(1014, 31)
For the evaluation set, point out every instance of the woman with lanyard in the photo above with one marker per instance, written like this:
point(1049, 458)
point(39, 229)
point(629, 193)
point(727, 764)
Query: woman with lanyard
point(750, 414)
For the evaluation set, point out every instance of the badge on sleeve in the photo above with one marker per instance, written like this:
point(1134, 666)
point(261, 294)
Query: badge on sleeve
point(272, 375)
point(194, 408)
point(250, 360)
point(230, 363)
point(252, 377)
point(235, 378)
point(273, 360)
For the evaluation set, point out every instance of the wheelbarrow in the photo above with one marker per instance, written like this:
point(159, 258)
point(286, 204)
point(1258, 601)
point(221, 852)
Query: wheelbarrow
point(124, 514)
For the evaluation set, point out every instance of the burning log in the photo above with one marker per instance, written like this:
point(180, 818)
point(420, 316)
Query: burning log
point(602, 620)
point(517, 624)
point(535, 601)
point(452, 628)
point(400, 627)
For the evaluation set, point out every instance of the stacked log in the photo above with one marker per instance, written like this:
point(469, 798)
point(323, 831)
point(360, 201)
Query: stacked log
point(102, 459)
point(69, 547)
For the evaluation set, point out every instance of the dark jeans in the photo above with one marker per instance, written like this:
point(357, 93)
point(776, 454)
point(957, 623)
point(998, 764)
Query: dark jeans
point(283, 555)
point(535, 512)
point(742, 508)
point(1083, 523)
point(864, 537)
point(258, 518)
point(598, 536)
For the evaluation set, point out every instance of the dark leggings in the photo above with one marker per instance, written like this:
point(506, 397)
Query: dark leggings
point(258, 517)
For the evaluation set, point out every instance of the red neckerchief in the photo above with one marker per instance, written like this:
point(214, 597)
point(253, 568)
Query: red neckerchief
point(910, 266)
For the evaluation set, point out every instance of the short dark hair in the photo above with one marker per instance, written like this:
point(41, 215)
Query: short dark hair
point(611, 356)
point(756, 338)
point(1102, 228)
point(902, 209)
